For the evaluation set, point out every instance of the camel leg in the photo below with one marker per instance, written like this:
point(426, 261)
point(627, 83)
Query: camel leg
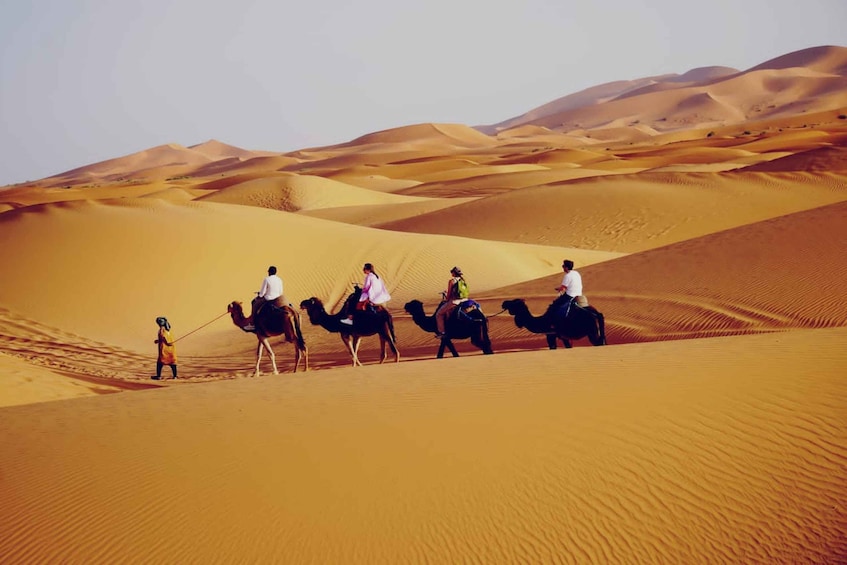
point(352, 344)
point(387, 335)
point(347, 340)
point(259, 349)
point(551, 341)
point(267, 344)
point(394, 349)
point(300, 354)
point(450, 346)
point(382, 354)
point(296, 357)
point(357, 340)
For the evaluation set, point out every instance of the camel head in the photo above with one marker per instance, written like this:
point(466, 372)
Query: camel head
point(414, 307)
point(515, 306)
point(311, 304)
point(314, 308)
point(236, 312)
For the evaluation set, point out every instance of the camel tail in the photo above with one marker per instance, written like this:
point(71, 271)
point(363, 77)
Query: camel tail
point(486, 340)
point(601, 322)
point(391, 328)
point(601, 326)
point(301, 343)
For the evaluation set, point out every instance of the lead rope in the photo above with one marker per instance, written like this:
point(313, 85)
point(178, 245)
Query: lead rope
point(201, 327)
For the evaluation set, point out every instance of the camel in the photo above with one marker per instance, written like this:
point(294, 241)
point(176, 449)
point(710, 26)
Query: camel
point(473, 325)
point(579, 322)
point(365, 323)
point(272, 321)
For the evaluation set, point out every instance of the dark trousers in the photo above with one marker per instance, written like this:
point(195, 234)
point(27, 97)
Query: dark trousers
point(159, 366)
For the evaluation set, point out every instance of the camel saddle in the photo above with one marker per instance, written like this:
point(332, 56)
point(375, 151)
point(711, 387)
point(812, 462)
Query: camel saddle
point(278, 303)
point(370, 307)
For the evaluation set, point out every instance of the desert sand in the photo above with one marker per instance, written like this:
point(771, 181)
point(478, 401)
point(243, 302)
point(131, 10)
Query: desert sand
point(706, 213)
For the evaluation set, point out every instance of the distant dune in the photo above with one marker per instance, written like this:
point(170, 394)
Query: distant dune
point(705, 212)
point(814, 78)
point(293, 192)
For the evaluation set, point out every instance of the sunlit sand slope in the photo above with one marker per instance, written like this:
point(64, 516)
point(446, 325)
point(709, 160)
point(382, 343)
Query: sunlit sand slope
point(114, 266)
point(630, 213)
point(784, 273)
point(291, 193)
point(728, 450)
point(22, 382)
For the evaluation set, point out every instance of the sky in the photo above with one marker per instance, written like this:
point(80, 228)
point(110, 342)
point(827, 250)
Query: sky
point(82, 81)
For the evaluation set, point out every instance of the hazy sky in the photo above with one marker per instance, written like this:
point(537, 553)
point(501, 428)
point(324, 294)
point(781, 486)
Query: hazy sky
point(82, 81)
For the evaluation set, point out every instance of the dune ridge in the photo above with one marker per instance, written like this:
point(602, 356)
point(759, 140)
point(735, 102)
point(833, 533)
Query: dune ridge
point(292, 193)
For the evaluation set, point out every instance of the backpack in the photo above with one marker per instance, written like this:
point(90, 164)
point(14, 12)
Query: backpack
point(462, 289)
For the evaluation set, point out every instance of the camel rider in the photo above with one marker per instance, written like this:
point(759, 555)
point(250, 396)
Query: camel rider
point(373, 292)
point(271, 291)
point(571, 288)
point(456, 287)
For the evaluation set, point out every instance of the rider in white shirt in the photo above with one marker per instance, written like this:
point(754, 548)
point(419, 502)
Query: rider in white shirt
point(571, 287)
point(571, 282)
point(271, 291)
point(271, 286)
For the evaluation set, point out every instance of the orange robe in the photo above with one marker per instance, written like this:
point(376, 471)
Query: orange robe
point(167, 349)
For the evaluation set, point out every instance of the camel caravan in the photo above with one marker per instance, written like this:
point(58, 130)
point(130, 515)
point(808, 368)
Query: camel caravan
point(457, 317)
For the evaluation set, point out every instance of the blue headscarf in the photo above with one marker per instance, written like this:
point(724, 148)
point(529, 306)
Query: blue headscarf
point(163, 322)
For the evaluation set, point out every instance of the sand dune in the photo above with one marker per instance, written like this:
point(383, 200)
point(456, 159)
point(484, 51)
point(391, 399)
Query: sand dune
point(381, 213)
point(161, 156)
point(445, 135)
point(806, 80)
point(409, 169)
point(588, 97)
point(291, 192)
point(705, 212)
point(630, 213)
point(25, 383)
point(181, 278)
point(826, 59)
point(730, 449)
point(381, 183)
point(231, 166)
point(216, 150)
point(497, 183)
point(817, 160)
point(775, 275)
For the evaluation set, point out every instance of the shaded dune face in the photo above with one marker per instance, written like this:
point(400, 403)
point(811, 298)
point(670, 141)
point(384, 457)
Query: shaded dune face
point(705, 212)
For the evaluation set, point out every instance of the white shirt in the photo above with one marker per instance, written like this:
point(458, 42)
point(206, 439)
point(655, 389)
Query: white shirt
point(374, 290)
point(271, 288)
point(572, 283)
